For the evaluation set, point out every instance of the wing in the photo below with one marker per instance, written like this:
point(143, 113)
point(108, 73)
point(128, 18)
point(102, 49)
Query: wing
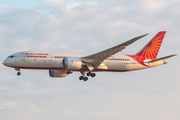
point(96, 59)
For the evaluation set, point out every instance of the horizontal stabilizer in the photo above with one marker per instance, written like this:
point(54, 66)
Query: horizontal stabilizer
point(163, 58)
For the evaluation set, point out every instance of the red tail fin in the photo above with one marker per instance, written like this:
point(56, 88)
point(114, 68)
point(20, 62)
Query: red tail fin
point(150, 51)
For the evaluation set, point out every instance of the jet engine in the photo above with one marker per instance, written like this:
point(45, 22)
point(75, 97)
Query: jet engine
point(57, 73)
point(72, 63)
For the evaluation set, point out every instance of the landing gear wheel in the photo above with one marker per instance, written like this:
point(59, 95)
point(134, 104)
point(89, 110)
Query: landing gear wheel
point(93, 75)
point(19, 73)
point(85, 78)
point(81, 77)
point(88, 74)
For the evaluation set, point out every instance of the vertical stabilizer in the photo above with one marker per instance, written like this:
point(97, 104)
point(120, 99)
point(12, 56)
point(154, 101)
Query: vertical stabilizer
point(150, 51)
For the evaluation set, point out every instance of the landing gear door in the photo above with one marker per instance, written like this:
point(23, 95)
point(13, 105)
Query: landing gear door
point(50, 57)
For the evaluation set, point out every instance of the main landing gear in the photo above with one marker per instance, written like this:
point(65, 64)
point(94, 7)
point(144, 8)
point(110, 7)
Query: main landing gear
point(91, 74)
point(83, 77)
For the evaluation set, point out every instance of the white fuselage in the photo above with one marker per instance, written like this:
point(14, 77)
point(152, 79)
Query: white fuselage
point(53, 61)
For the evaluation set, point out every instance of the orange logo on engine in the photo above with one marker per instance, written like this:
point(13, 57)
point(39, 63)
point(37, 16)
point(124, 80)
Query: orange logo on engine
point(72, 61)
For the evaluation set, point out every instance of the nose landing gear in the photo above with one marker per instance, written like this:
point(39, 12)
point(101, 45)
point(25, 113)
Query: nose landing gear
point(18, 73)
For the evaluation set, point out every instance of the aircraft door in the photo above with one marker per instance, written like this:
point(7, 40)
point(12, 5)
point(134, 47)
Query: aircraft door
point(50, 57)
point(22, 56)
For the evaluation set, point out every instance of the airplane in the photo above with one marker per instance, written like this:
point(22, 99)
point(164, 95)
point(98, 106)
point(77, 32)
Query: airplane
point(63, 64)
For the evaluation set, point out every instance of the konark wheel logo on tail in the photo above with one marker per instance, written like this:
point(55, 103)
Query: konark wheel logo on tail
point(150, 51)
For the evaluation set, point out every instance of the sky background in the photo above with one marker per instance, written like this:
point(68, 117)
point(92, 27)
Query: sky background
point(87, 26)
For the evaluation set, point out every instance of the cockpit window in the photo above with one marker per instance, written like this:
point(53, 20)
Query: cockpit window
point(11, 56)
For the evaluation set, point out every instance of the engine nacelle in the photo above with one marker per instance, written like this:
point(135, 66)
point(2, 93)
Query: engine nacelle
point(57, 73)
point(72, 63)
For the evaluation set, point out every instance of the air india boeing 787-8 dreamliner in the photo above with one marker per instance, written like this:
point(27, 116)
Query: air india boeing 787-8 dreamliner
point(63, 64)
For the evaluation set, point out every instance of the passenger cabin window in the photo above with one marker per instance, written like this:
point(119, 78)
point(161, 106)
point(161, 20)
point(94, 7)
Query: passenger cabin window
point(11, 56)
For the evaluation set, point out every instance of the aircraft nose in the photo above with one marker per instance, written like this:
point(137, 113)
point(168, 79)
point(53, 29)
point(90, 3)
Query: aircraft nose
point(4, 62)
